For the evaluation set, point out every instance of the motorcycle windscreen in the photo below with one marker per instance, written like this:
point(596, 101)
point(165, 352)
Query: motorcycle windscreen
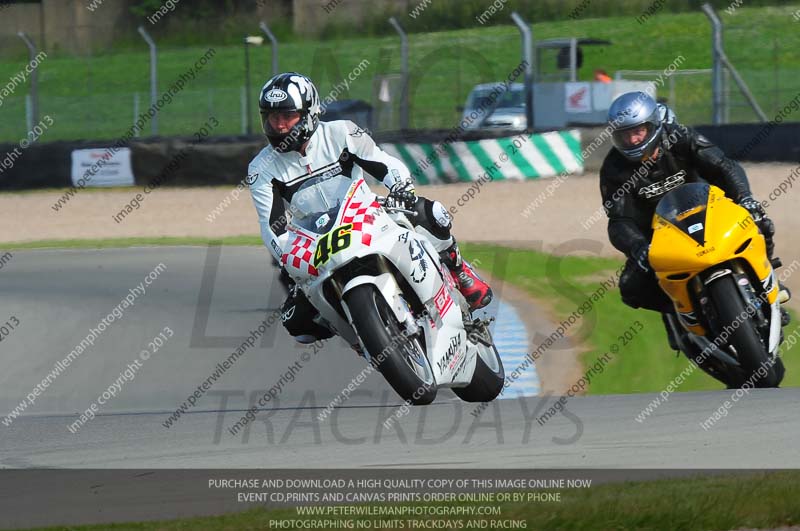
point(315, 205)
point(686, 208)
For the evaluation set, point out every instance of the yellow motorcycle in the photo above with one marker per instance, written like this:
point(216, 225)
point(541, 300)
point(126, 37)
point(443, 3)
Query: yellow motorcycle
point(711, 259)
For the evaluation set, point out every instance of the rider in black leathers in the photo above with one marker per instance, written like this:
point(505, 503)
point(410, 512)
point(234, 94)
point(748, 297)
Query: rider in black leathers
point(652, 154)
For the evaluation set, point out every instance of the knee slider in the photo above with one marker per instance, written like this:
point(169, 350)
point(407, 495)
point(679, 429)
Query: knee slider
point(440, 215)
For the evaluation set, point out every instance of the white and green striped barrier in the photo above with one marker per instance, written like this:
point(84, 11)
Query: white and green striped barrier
point(519, 157)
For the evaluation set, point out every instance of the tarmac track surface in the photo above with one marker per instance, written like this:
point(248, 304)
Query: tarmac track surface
point(209, 299)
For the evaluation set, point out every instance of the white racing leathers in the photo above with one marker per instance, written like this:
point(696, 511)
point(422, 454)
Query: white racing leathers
point(336, 147)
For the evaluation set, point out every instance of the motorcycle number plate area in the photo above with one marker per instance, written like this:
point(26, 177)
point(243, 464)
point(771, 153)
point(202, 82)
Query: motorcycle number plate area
point(331, 243)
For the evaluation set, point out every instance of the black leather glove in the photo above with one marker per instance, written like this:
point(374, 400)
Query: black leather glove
point(767, 226)
point(754, 207)
point(640, 258)
point(764, 223)
point(402, 195)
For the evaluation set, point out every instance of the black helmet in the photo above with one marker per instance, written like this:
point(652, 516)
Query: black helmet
point(290, 91)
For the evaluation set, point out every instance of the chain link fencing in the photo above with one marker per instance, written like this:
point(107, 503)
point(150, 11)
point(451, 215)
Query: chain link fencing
point(100, 97)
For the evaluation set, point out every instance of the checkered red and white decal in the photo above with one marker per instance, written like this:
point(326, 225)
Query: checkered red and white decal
point(359, 214)
point(300, 256)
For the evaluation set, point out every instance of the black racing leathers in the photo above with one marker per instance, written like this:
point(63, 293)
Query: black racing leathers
point(630, 213)
point(631, 191)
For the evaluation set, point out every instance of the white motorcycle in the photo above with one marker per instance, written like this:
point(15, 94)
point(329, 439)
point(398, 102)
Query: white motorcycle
point(379, 284)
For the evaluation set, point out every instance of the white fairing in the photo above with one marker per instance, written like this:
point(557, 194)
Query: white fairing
point(769, 283)
point(775, 328)
point(407, 254)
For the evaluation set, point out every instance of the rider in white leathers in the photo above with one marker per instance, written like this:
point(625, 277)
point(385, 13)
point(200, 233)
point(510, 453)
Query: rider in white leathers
point(301, 147)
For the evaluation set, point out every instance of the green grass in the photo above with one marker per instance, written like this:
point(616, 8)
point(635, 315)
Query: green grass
point(92, 97)
point(762, 500)
point(646, 363)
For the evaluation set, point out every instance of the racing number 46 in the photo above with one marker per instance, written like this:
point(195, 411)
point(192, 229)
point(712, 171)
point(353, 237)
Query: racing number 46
point(336, 240)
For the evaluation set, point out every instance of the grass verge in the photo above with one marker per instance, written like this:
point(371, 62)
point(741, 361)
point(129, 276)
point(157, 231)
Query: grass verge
point(643, 364)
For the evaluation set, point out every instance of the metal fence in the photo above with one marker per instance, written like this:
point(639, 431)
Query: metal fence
point(772, 84)
point(759, 55)
point(686, 91)
point(101, 97)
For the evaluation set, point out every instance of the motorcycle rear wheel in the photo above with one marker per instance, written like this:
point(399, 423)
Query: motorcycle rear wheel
point(488, 378)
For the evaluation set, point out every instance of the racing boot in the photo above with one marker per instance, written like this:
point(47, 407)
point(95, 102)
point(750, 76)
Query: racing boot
point(476, 291)
point(358, 350)
point(301, 319)
point(671, 332)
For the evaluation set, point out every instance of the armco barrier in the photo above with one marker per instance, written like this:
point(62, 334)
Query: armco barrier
point(224, 160)
point(174, 161)
point(745, 142)
point(756, 142)
point(37, 166)
point(517, 157)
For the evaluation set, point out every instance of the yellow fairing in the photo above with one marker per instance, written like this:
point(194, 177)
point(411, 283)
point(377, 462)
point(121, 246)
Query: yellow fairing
point(674, 253)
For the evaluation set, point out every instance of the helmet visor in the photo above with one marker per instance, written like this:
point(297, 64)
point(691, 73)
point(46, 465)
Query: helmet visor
point(279, 122)
point(635, 136)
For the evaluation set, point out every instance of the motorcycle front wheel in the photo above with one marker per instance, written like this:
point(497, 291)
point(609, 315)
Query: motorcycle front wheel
point(744, 338)
point(400, 358)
